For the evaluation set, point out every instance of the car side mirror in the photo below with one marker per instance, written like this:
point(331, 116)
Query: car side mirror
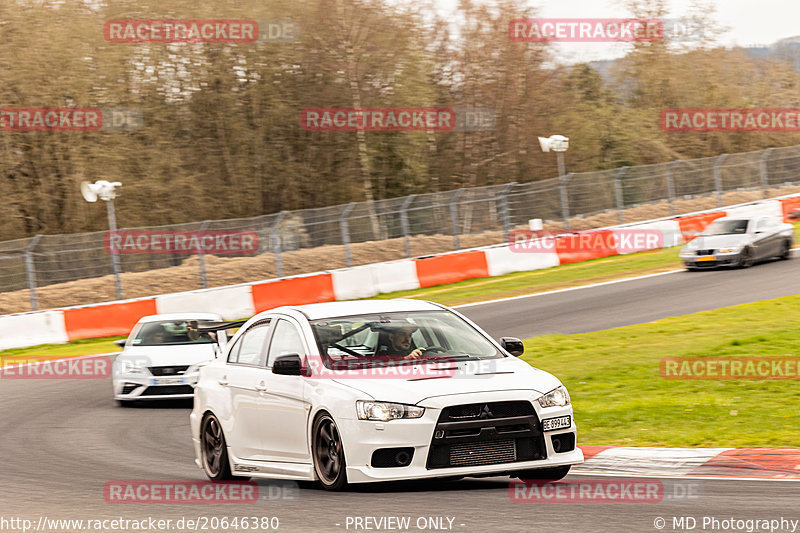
point(512, 345)
point(121, 342)
point(288, 365)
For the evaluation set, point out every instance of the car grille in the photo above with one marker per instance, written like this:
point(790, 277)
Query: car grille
point(486, 434)
point(705, 252)
point(483, 453)
point(168, 390)
point(167, 370)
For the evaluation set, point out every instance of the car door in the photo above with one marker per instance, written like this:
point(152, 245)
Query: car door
point(243, 372)
point(285, 410)
point(765, 241)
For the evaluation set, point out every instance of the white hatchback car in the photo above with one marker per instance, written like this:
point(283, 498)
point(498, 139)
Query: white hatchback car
point(377, 390)
point(159, 361)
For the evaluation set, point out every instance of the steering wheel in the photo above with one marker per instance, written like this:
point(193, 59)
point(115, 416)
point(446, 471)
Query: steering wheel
point(433, 350)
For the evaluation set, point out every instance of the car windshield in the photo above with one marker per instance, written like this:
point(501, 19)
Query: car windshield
point(167, 333)
point(726, 227)
point(364, 340)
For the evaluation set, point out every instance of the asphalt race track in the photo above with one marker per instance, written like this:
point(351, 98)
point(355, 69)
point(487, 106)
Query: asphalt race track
point(62, 440)
point(637, 301)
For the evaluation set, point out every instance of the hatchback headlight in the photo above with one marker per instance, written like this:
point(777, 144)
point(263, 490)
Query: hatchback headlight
point(129, 366)
point(728, 250)
point(385, 411)
point(558, 397)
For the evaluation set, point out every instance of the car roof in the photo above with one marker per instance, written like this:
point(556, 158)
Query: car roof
point(357, 307)
point(179, 316)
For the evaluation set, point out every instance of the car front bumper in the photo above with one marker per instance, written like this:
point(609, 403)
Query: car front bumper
point(719, 260)
point(363, 438)
point(148, 387)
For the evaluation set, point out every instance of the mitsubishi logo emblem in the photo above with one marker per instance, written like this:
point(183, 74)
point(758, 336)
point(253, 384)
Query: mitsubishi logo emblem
point(486, 413)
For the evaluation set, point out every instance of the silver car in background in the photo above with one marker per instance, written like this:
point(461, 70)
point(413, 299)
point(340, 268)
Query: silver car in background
point(739, 242)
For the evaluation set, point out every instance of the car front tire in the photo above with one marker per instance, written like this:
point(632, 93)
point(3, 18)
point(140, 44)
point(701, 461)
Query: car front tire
point(746, 258)
point(787, 250)
point(328, 454)
point(544, 474)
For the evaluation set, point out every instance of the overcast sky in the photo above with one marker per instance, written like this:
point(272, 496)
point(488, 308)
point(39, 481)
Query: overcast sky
point(748, 21)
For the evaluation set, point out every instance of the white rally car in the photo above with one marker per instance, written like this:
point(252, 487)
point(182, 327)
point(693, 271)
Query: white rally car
point(377, 390)
point(159, 361)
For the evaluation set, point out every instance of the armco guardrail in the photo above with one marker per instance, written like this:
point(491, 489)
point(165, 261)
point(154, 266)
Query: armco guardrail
point(237, 301)
point(46, 260)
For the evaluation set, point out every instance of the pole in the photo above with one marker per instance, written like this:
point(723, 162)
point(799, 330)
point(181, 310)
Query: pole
point(718, 177)
point(454, 218)
point(275, 236)
point(348, 259)
point(202, 257)
point(618, 194)
point(30, 266)
point(112, 225)
point(404, 222)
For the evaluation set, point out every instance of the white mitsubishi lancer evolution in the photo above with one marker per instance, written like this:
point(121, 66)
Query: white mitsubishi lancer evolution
point(377, 390)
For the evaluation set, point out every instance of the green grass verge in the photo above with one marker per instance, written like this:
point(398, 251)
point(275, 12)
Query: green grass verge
point(50, 351)
point(620, 398)
point(560, 277)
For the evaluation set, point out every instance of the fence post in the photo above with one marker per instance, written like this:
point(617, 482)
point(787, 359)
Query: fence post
point(562, 185)
point(345, 227)
point(202, 256)
point(671, 187)
point(404, 222)
point(762, 165)
point(618, 194)
point(454, 218)
point(30, 266)
point(505, 213)
point(718, 177)
point(275, 237)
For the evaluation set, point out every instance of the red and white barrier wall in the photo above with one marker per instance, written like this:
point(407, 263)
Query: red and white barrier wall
point(244, 300)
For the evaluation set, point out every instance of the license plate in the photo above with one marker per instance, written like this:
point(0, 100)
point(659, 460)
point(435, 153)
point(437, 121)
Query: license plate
point(707, 258)
point(167, 381)
point(560, 422)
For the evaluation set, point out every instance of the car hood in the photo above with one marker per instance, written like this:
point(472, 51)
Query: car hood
point(188, 354)
point(482, 376)
point(715, 242)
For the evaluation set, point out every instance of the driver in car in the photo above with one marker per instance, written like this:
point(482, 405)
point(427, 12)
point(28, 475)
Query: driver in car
point(401, 343)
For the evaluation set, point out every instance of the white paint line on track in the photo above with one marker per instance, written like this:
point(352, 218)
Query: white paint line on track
point(568, 289)
point(585, 473)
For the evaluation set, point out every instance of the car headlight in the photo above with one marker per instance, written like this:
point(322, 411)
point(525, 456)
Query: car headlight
point(728, 250)
point(558, 397)
point(385, 411)
point(132, 367)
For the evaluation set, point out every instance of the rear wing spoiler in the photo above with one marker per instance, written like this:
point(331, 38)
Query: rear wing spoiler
point(194, 329)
